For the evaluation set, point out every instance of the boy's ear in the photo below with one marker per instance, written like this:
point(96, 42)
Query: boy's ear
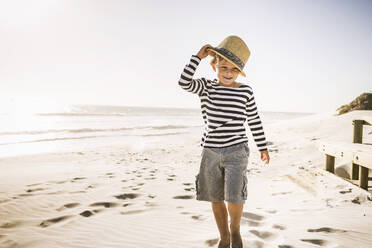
point(213, 67)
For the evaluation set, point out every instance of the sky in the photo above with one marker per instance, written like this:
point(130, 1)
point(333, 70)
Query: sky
point(306, 56)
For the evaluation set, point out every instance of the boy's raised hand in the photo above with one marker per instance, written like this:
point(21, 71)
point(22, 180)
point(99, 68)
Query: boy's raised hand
point(204, 51)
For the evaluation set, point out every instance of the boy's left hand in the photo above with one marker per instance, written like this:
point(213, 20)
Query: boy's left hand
point(265, 156)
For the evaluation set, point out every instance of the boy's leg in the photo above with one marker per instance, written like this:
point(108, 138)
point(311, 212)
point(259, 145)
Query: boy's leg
point(221, 217)
point(235, 212)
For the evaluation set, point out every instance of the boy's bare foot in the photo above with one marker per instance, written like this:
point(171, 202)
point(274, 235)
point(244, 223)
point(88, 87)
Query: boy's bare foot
point(224, 244)
point(236, 240)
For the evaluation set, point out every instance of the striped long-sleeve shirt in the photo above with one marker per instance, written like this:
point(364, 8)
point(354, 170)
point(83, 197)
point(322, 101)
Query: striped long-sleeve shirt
point(224, 110)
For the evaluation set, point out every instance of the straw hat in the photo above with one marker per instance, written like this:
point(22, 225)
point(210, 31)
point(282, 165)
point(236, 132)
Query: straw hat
point(234, 50)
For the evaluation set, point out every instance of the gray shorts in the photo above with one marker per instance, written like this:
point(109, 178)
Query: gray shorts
point(222, 174)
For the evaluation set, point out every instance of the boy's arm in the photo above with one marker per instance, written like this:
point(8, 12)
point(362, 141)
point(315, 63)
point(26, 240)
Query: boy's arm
point(187, 82)
point(255, 124)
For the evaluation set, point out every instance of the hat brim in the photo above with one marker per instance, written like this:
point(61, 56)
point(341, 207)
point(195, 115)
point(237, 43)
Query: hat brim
point(210, 53)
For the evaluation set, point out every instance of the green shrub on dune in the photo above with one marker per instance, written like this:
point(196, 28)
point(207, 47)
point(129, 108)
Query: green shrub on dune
point(362, 102)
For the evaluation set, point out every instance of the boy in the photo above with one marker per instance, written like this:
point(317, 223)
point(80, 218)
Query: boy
point(226, 105)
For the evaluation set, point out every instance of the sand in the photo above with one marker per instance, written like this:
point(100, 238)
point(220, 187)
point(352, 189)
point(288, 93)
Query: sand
point(144, 195)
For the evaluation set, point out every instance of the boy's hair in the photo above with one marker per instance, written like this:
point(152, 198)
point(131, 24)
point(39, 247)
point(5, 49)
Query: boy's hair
point(215, 59)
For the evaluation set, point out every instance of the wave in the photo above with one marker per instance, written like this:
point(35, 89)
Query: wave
point(89, 130)
point(87, 137)
point(79, 114)
point(54, 139)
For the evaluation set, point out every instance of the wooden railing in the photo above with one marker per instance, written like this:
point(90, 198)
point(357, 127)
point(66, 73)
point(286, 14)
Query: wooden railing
point(359, 154)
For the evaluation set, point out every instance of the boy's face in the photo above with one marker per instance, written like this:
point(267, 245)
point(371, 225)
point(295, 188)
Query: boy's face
point(226, 71)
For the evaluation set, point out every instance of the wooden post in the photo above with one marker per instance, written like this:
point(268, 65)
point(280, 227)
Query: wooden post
point(357, 138)
point(358, 131)
point(363, 182)
point(330, 163)
point(369, 101)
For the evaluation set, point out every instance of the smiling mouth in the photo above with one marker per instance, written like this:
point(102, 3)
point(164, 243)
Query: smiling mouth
point(227, 78)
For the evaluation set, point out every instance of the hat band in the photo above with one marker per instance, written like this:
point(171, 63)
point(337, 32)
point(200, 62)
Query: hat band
point(231, 57)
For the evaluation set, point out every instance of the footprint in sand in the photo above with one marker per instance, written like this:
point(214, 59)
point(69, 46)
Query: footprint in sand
point(273, 211)
point(252, 219)
point(319, 242)
point(110, 175)
point(61, 182)
point(133, 211)
point(280, 227)
point(189, 189)
point(50, 222)
point(346, 191)
point(327, 230)
point(90, 187)
point(356, 200)
point(198, 217)
point(212, 242)
point(252, 216)
point(77, 179)
point(187, 184)
point(11, 224)
point(253, 244)
point(285, 246)
point(263, 234)
point(185, 212)
point(37, 189)
point(68, 205)
point(127, 196)
point(171, 177)
point(104, 204)
point(25, 195)
point(55, 192)
point(183, 197)
point(86, 213)
point(251, 223)
point(151, 204)
point(35, 184)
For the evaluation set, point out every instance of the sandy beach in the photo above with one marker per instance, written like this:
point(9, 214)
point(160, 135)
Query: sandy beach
point(144, 195)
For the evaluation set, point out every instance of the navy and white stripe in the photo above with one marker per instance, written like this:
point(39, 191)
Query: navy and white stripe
point(224, 110)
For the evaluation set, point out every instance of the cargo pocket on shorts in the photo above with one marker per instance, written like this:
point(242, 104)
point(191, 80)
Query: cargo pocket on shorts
point(197, 184)
point(245, 187)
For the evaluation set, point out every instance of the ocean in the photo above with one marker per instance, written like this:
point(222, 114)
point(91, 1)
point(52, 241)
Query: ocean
point(88, 126)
